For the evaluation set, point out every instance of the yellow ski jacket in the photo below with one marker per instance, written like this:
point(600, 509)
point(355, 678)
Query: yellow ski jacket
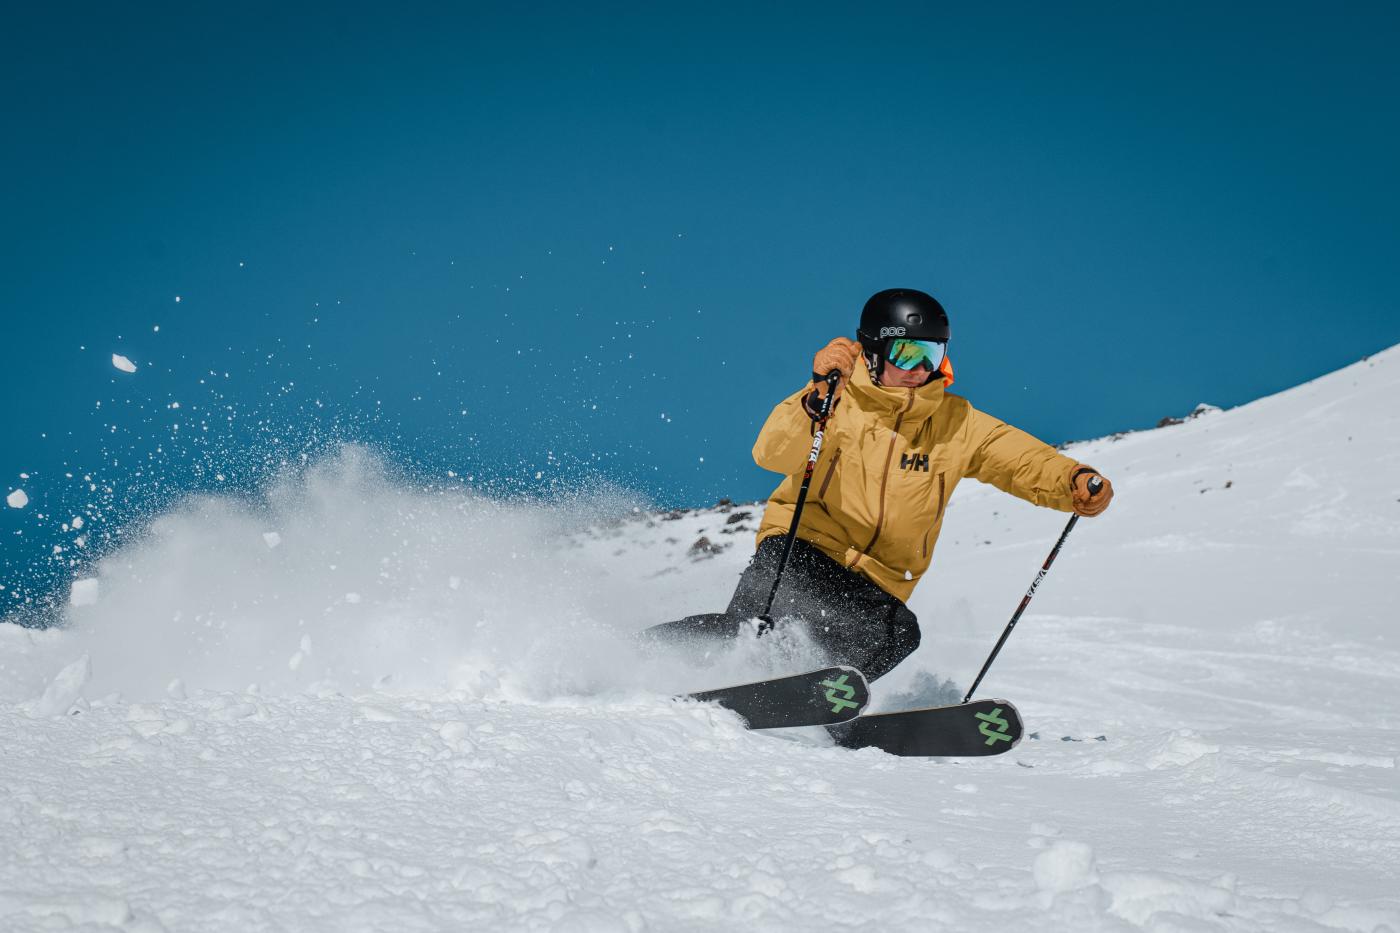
point(890, 460)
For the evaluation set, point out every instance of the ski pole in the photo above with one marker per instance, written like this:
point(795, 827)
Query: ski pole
point(824, 412)
point(1095, 485)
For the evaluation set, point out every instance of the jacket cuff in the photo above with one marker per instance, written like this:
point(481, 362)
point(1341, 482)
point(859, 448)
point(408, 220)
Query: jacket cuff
point(810, 404)
point(1078, 471)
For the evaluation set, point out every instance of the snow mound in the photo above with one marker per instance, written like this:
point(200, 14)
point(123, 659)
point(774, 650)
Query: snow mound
point(1209, 672)
point(1065, 866)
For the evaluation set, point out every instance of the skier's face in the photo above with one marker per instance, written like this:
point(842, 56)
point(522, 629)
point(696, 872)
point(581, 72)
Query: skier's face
point(896, 378)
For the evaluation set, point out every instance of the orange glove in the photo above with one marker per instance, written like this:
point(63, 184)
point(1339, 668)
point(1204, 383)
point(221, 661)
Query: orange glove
point(841, 354)
point(1084, 503)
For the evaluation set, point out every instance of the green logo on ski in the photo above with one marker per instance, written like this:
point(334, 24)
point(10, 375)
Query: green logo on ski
point(838, 703)
point(994, 718)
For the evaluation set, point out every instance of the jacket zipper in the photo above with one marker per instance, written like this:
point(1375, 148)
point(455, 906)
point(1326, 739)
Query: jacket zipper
point(885, 477)
point(830, 469)
point(937, 515)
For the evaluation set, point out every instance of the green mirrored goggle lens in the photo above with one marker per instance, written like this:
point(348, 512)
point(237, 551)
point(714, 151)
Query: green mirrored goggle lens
point(910, 354)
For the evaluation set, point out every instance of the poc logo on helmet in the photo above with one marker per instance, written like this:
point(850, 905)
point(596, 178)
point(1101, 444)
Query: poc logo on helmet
point(891, 332)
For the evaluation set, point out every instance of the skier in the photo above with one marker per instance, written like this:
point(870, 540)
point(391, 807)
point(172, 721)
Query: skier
point(896, 445)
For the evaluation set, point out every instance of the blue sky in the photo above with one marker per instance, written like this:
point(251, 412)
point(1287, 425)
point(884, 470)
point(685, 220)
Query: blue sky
point(603, 240)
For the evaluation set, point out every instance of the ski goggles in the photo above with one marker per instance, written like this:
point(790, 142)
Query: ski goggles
point(911, 354)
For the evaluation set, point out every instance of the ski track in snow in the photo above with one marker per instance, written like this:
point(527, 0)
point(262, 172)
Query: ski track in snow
point(1236, 646)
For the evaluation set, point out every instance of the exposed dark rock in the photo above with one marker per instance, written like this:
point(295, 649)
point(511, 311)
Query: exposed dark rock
point(1198, 411)
point(704, 547)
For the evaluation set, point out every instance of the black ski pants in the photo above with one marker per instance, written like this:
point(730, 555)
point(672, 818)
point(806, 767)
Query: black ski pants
point(851, 619)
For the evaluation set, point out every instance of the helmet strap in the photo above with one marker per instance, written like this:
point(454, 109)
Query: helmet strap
point(873, 362)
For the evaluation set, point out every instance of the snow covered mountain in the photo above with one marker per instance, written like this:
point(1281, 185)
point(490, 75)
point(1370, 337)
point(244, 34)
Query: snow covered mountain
point(362, 704)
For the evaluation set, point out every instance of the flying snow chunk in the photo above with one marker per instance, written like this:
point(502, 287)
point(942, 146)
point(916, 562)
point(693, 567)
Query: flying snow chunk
point(122, 363)
point(303, 652)
point(84, 592)
point(272, 538)
point(17, 499)
point(60, 695)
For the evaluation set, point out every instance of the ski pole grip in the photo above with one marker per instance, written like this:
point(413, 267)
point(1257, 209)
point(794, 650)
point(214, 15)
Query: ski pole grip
point(1095, 485)
point(833, 379)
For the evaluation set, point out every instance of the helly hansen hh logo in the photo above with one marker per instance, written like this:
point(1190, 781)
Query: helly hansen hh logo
point(914, 462)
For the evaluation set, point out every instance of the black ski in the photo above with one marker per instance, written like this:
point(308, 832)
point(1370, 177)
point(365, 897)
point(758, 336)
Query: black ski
point(986, 727)
point(816, 698)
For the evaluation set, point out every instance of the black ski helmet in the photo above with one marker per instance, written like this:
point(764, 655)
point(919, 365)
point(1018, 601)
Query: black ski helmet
point(895, 313)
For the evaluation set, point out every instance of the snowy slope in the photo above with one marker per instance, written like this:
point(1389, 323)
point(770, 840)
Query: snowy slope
point(358, 704)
